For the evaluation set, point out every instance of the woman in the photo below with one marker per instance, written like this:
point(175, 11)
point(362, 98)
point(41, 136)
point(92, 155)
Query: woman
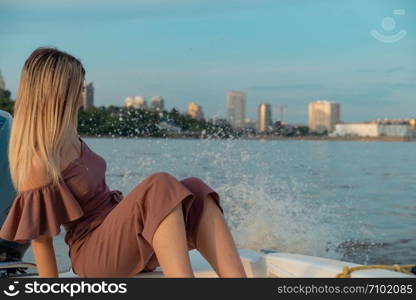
point(60, 180)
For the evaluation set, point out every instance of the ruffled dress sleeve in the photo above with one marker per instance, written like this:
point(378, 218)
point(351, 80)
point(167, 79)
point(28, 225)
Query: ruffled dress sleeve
point(40, 211)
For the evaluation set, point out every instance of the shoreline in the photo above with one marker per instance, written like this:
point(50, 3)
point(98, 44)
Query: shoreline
point(274, 138)
point(334, 139)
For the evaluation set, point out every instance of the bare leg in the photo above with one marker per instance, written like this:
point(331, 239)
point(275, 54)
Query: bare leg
point(215, 242)
point(170, 245)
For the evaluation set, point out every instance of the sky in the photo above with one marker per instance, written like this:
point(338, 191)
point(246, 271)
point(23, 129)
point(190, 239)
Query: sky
point(286, 52)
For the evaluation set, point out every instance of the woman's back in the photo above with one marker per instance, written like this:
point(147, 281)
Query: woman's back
point(38, 176)
point(79, 202)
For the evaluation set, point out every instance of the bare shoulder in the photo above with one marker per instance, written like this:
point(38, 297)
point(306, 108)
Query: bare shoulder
point(37, 176)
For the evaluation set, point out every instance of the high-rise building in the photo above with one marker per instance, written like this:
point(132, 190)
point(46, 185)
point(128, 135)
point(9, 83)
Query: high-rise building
point(2, 86)
point(2, 82)
point(139, 102)
point(88, 96)
point(157, 103)
point(323, 115)
point(236, 108)
point(265, 117)
point(128, 102)
point(195, 111)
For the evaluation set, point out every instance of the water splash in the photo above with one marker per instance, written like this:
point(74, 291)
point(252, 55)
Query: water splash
point(265, 211)
point(276, 195)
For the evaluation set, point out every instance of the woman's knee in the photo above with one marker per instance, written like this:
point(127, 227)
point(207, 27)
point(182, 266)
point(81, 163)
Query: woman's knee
point(164, 176)
point(199, 188)
point(192, 183)
point(159, 179)
point(161, 176)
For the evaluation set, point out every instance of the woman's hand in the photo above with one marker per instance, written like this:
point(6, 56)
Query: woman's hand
point(45, 256)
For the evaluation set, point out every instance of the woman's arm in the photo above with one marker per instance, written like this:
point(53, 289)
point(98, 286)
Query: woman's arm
point(42, 245)
point(45, 256)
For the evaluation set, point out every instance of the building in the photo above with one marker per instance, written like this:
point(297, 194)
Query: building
point(128, 102)
point(323, 115)
point(195, 111)
point(2, 85)
point(139, 102)
point(265, 117)
point(236, 108)
point(373, 129)
point(411, 122)
point(157, 103)
point(2, 82)
point(88, 96)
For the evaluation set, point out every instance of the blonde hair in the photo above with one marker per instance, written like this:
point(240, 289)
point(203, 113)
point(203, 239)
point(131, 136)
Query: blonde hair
point(45, 113)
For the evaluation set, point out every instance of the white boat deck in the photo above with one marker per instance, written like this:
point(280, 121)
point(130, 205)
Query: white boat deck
point(287, 265)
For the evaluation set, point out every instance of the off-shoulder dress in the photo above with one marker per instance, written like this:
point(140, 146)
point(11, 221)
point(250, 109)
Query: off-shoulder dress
point(108, 234)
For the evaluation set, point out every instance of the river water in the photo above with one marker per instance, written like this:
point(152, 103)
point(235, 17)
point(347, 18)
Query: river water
point(353, 201)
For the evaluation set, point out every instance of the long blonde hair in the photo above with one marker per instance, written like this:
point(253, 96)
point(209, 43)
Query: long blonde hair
point(45, 113)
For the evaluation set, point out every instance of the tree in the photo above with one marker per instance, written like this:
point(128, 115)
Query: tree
point(6, 103)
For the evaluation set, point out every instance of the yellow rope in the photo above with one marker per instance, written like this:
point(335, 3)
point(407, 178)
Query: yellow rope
point(346, 271)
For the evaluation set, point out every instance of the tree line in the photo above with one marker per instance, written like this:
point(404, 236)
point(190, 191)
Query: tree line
point(132, 122)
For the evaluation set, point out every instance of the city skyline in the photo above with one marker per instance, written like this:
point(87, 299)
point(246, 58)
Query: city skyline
point(283, 53)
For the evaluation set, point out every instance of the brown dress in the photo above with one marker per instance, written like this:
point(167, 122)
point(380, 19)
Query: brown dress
point(108, 235)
